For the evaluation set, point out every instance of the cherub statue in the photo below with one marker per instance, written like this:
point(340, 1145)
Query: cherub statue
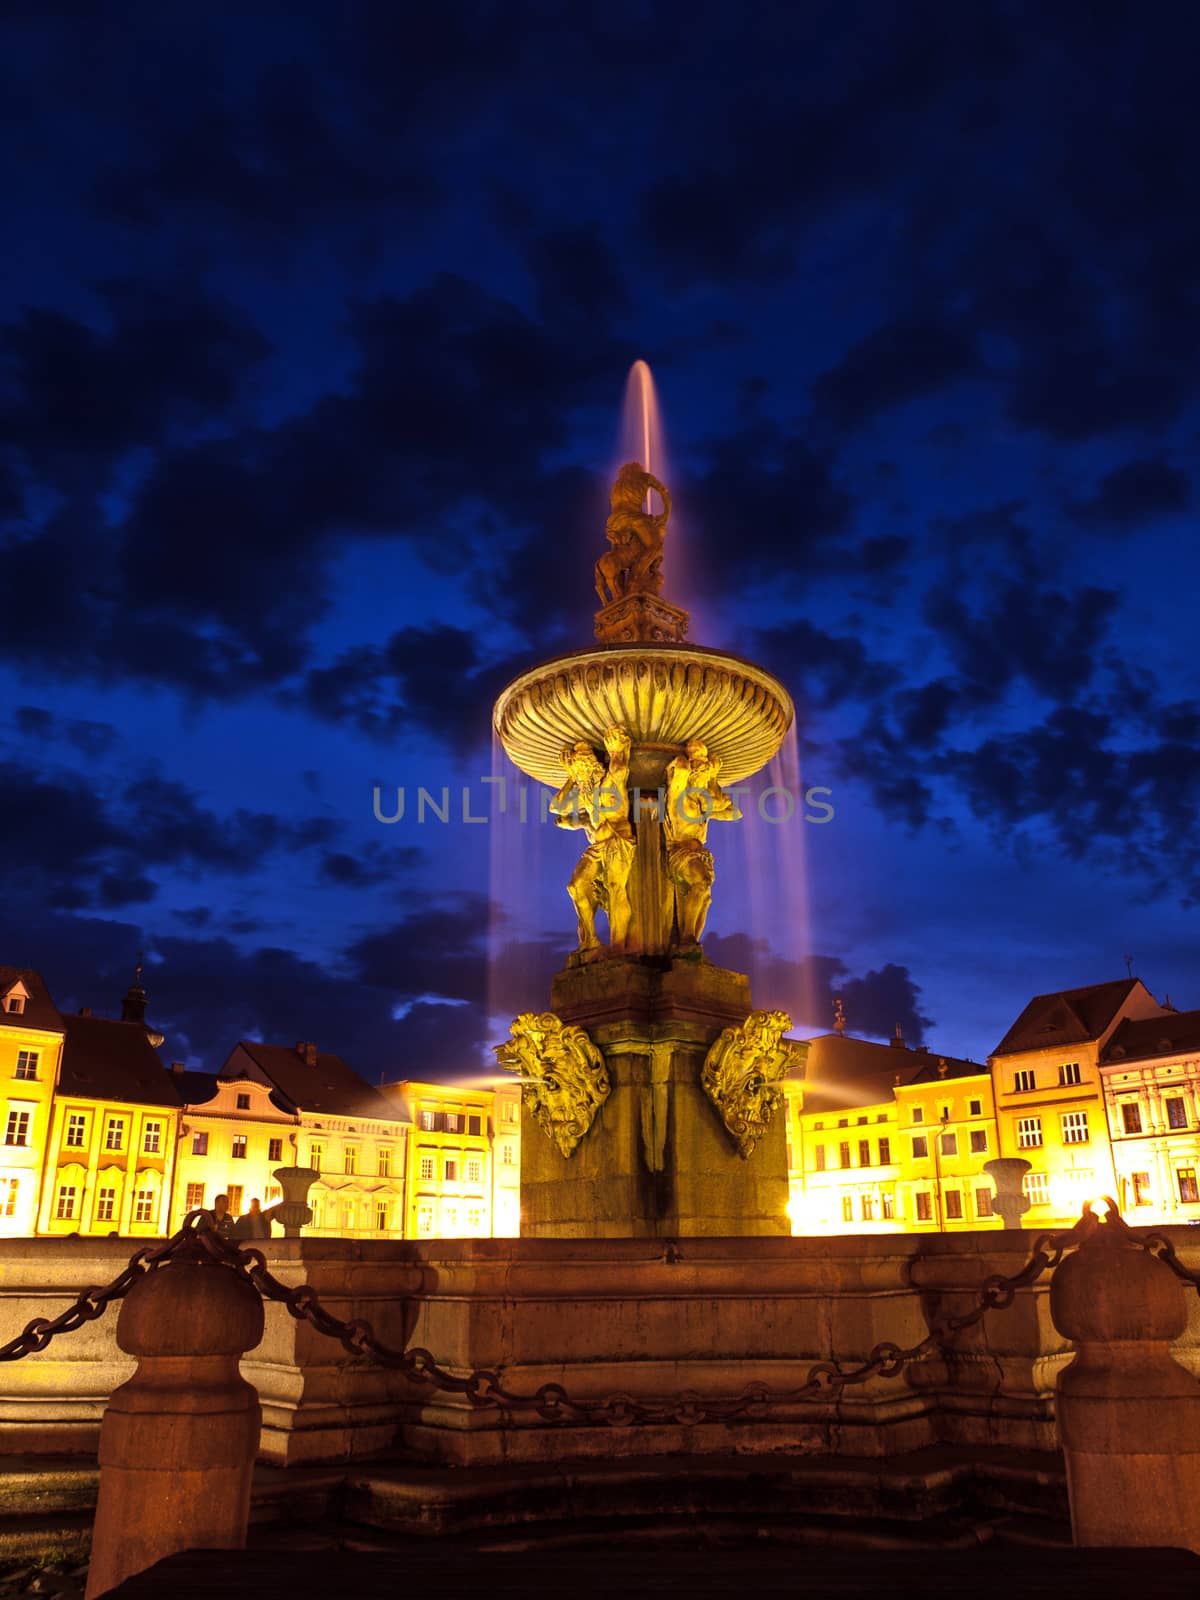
point(597, 800)
point(693, 798)
point(634, 564)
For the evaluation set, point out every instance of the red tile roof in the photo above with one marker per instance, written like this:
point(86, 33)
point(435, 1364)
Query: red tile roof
point(105, 1060)
point(1137, 1039)
point(40, 1011)
point(326, 1084)
point(843, 1073)
point(1071, 1016)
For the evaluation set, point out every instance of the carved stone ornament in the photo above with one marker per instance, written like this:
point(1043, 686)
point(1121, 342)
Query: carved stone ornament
point(564, 1081)
point(741, 1074)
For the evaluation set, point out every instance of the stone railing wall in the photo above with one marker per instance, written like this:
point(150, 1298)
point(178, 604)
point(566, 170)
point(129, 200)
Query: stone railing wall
point(600, 1317)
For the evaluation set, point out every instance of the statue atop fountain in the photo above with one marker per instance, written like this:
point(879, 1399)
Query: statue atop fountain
point(629, 573)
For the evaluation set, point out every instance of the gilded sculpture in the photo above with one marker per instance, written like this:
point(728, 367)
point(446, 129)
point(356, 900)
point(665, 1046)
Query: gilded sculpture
point(694, 798)
point(741, 1075)
point(595, 798)
point(564, 1081)
point(634, 563)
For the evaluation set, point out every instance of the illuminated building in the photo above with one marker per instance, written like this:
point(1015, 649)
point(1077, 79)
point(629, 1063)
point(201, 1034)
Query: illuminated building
point(886, 1139)
point(1050, 1105)
point(1150, 1072)
point(506, 1161)
point(352, 1134)
point(449, 1192)
point(114, 1119)
point(31, 1038)
point(233, 1133)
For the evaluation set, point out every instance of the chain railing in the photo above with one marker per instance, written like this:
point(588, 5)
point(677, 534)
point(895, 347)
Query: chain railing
point(198, 1241)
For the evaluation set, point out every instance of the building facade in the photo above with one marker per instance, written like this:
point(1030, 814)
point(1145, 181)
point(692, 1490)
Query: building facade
point(450, 1187)
point(1150, 1073)
point(31, 1040)
point(232, 1135)
point(506, 1161)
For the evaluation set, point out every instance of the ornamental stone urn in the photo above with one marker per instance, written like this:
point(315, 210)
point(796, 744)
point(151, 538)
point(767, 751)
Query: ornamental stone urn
point(293, 1210)
point(1011, 1202)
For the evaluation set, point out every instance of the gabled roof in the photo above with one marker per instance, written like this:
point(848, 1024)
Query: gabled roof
point(1137, 1039)
point(40, 1012)
point(103, 1060)
point(955, 1067)
point(322, 1083)
point(195, 1088)
point(1071, 1016)
point(844, 1074)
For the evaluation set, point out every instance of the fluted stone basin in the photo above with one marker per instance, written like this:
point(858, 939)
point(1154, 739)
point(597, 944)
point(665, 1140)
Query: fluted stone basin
point(661, 694)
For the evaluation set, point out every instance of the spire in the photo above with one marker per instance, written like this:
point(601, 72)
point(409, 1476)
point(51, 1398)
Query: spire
point(133, 1007)
point(839, 1015)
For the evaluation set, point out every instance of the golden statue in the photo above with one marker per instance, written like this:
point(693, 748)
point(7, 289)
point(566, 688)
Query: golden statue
point(741, 1073)
point(597, 800)
point(693, 799)
point(564, 1081)
point(634, 564)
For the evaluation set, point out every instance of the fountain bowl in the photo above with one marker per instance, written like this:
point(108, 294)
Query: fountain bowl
point(661, 694)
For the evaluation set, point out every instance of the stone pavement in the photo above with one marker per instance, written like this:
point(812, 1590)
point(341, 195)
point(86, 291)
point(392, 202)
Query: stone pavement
point(455, 1571)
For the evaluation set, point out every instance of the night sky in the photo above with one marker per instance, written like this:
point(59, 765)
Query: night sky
point(316, 325)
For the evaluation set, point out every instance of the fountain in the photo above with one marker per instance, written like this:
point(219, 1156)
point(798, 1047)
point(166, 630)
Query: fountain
point(652, 1080)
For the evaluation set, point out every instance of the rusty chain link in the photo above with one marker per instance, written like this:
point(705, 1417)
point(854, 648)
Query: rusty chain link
point(198, 1241)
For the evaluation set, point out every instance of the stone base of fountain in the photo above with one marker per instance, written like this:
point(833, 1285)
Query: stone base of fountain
point(641, 617)
point(658, 1163)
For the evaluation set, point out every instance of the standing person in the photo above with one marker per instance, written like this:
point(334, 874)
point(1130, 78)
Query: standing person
point(256, 1223)
point(222, 1220)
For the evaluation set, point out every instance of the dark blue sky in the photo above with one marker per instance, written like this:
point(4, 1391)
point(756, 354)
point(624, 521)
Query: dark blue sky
point(316, 326)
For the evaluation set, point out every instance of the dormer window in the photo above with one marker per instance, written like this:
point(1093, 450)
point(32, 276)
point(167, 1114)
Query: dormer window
point(16, 1003)
point(14, 1000)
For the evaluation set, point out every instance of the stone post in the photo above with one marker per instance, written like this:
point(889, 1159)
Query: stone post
point(178, 1441)
point(1128, 1413)
point(293, 1210)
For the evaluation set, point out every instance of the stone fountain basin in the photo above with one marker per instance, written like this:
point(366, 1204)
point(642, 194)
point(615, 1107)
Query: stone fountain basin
point(662, 695)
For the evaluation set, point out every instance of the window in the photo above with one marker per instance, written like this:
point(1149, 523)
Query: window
point(243, 1102)
point(427, 1168)
point(234, 1191)
point(1029, 1133)
point(983, 1202)
point(949, 1144)
point(151, 1138)
point(451, 1170)
point(76, 1130)
point(17, 1130)
point(508, 1112)
point(474, 1171)
point(843, 1122)
point(953, 1205)
point(106, 1204)
point(867, 1207)
point(864, 1152)
point(239, 1147)
point(348, 1215)
point(843, 1155)
point(920, 1147)
point(273, 1193)
point(1176, 1112)
point(889, 1208)
point(885, 1152)
point(882, 1117)
point(1024, 1081)
point(1075, 1127)
point(350, 1159)
point(918, 1113)
point(381, 1216)
point(1131, 1116)
point(975, 1108)
point(194, 1200)
point(475, 1127)
point(425, 1220)
point(114, 1135)
point(1188, 1191)
point(507, 1155)
point(817, 1126)
point(384, 1166)
point(1068, 1073)
point(425, 1121)
point(1037, 1188)
point(143, 1205)
point(847, 1208)
point(978, 1141)
point(16, 1003)
point(1141, 1189)
point(924, 1206)
point(8, 1196)
point(27, 1065)
point(316, 1154)
point(819, 1157)
point(200, 1144)
point(863, 1120)
point(64, 1210)
point(453, 1122)
point(474, 1217)
point(274, 1149)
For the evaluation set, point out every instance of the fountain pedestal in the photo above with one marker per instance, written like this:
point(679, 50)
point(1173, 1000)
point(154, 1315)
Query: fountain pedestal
point(658, 1163)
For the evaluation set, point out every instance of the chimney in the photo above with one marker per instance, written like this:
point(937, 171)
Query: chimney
point(178, 1067)
point(897, 1043)
point(85, 1011)
point(307, 1053)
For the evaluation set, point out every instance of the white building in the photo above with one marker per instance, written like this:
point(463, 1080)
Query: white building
point(1150, 1071)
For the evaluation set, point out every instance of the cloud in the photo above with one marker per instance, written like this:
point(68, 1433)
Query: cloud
point(902, 360)
point(1133, 494)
